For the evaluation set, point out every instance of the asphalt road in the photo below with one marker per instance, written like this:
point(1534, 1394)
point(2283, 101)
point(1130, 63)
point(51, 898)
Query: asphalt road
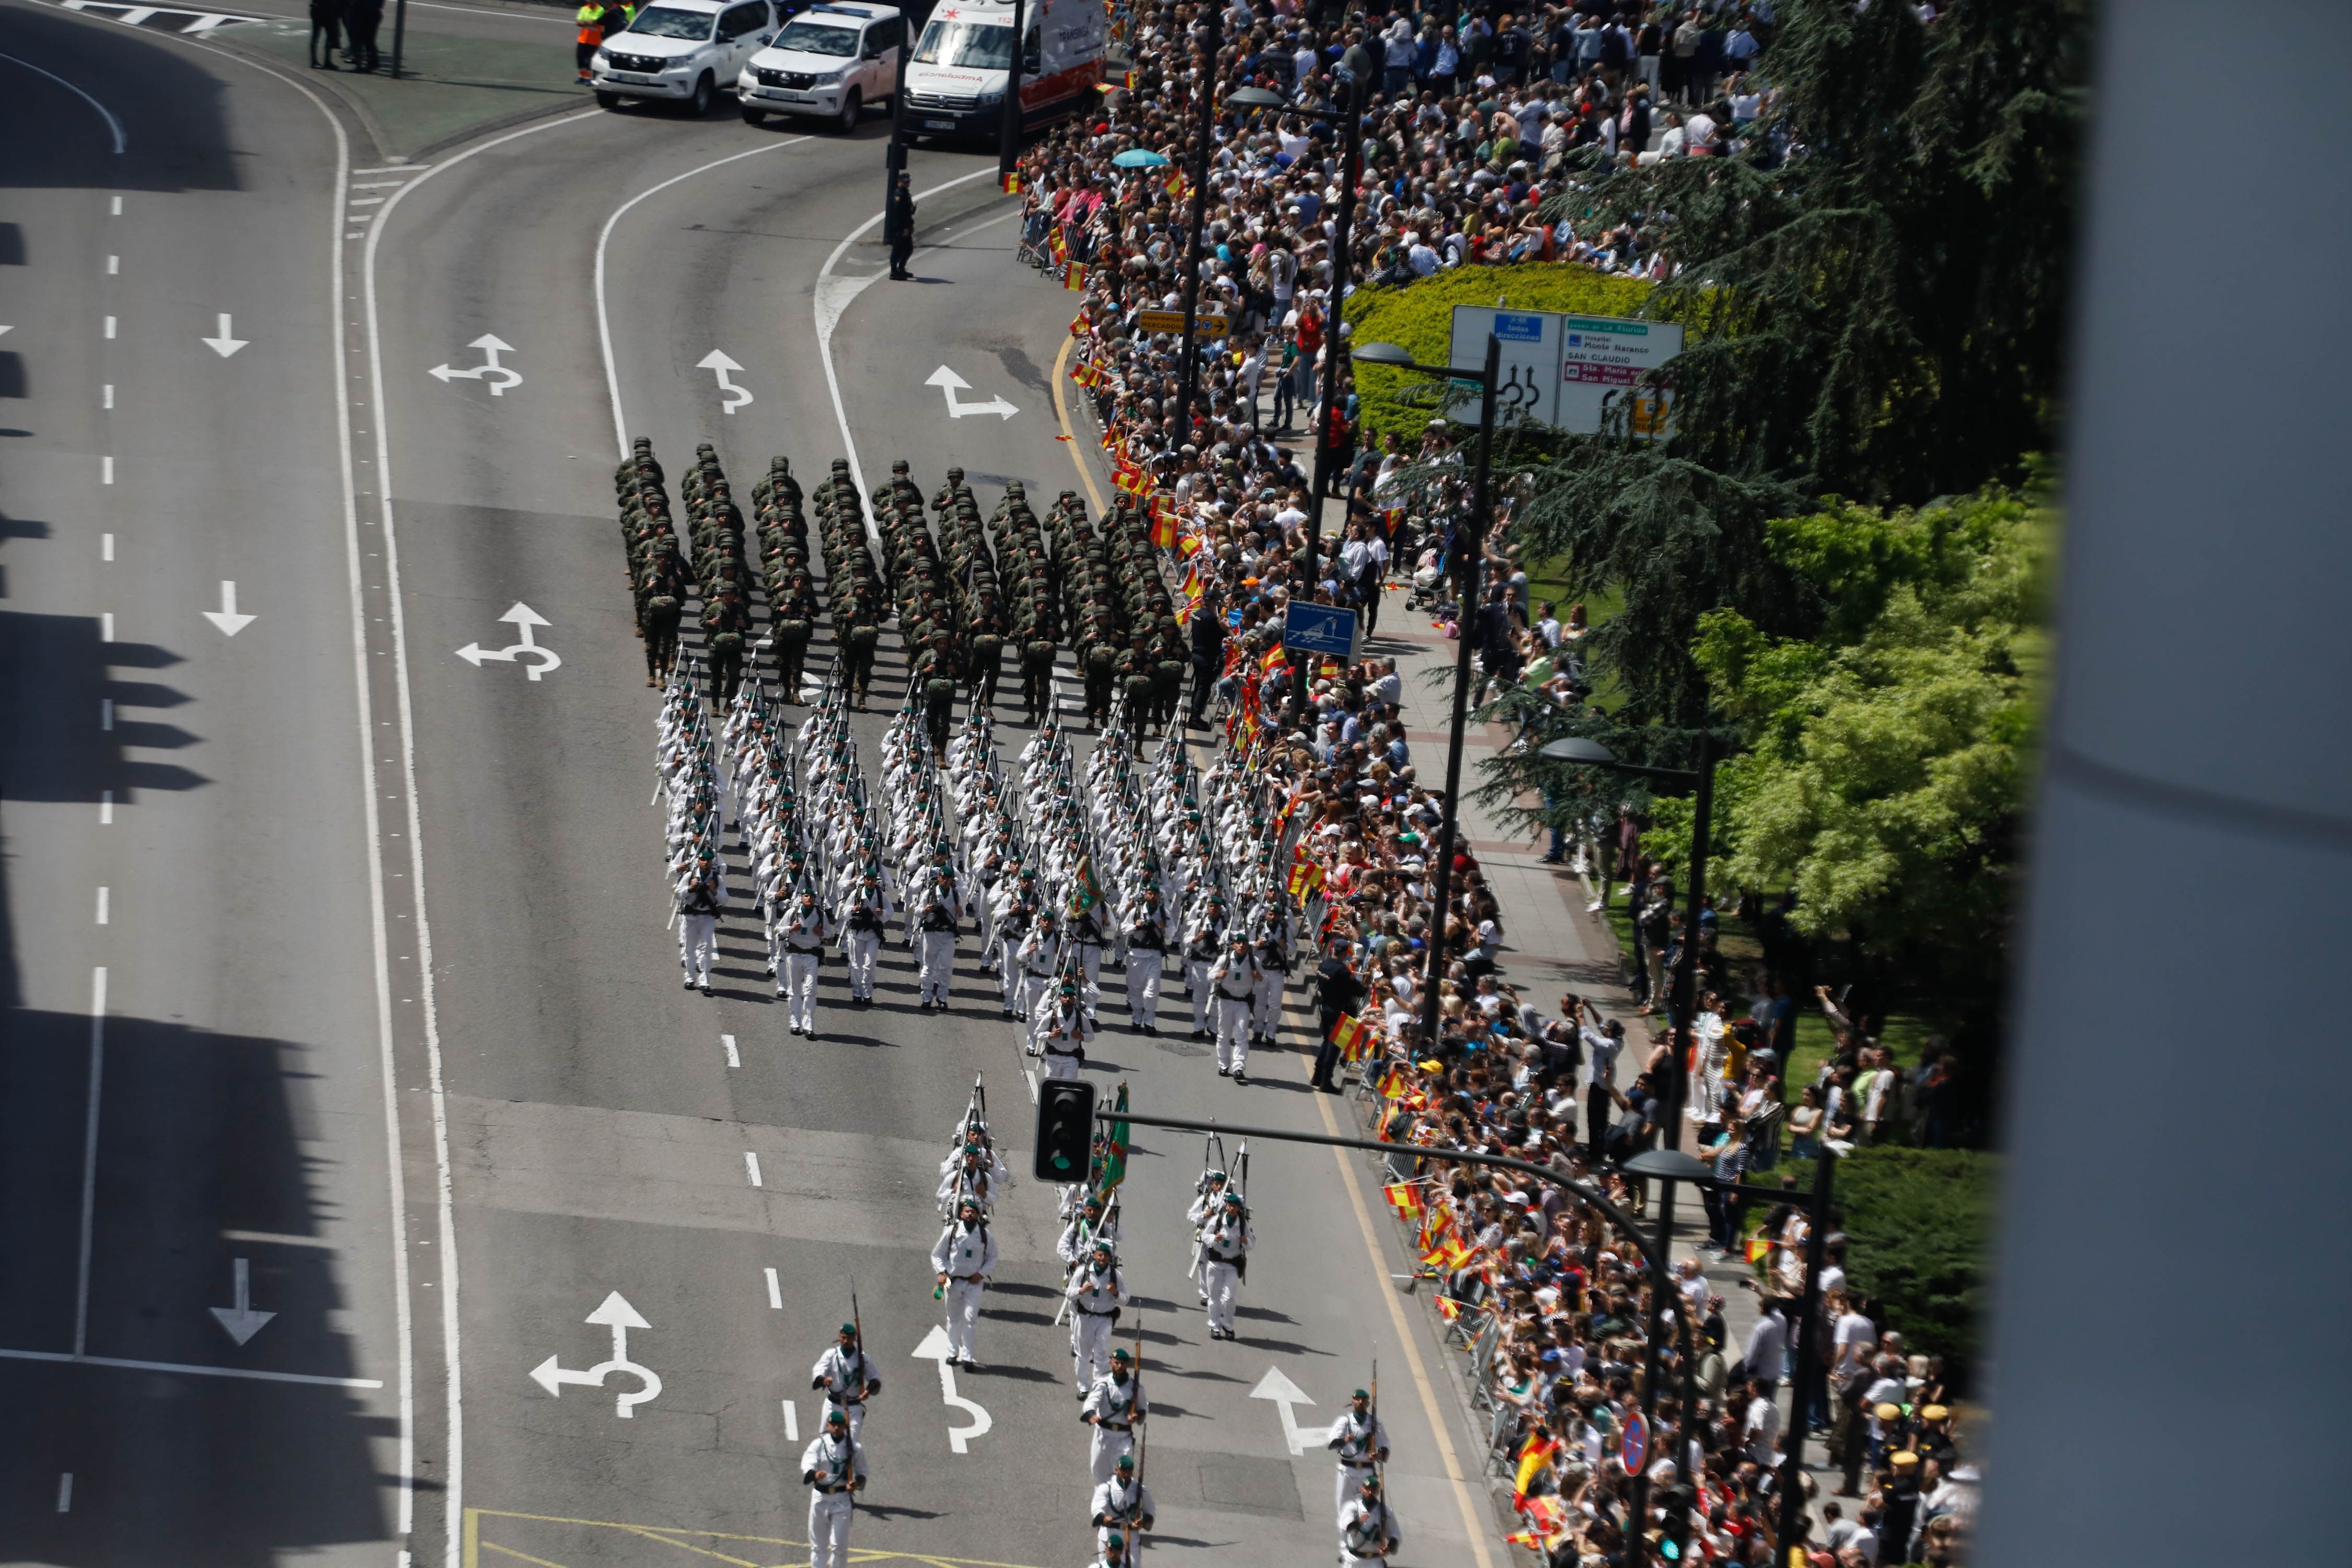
point(560, 1108)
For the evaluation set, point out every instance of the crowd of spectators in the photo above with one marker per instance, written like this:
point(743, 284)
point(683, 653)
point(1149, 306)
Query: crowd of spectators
point(1473, 120)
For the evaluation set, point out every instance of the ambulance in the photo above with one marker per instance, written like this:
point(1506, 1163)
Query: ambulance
point(954, 83)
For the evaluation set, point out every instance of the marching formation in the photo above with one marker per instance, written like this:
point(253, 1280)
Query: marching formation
point(1062, 864)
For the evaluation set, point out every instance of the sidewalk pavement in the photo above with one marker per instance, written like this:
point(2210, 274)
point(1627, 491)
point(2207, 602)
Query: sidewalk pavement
point(454, 84)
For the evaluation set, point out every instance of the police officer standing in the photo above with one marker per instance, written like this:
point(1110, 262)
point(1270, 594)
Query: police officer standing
point(900, 223)
point(834, 1468)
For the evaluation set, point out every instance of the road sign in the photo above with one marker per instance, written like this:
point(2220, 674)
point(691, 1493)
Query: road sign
point(1329, 631)
point(1569, 372)
point(949, 381)
point(1203, 325)
point(935, 1347)
point(615, 1313)
point(538, 659)
point(1633, 1446)
point(1286, 1393)
point(735, 396)
point(499, 378)
point(240, 1318)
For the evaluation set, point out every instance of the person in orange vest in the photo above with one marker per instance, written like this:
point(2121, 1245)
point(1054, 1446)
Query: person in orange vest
point(590, 20)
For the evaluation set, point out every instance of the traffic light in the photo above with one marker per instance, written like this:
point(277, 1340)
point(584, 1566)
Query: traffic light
point(1065, 1130)
point(1673, 1540)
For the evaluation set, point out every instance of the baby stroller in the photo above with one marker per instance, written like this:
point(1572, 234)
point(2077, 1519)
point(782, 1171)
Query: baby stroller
point(1428, 580)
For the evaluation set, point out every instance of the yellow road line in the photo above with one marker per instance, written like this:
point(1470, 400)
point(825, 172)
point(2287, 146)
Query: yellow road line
point(1069, 435)
point(663, 1533)
point(525, 1556)
point(1471, 1516)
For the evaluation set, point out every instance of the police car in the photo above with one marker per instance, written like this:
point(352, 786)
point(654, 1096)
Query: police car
point(685, 51)
point(829, 61)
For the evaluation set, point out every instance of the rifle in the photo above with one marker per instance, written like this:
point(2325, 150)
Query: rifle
point(1239, 1186)
point(1142, 1438)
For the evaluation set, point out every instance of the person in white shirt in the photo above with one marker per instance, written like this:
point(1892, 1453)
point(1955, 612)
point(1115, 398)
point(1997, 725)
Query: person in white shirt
point(1766, 1357)
point(963, 1257)
point(834, 1467)
point(1762, 1429)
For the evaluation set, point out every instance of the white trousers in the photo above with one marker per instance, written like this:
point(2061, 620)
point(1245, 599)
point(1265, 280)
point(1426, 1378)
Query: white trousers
point(862, 945)
point(1008, 972)
point(829, 1530)
point(963, 1318)
point(1058, 1065)
point(1232, 1032)
point(1089, 1346)
point(1033, 1004)
point(1267, 1019)
point(1090, 964)
point(1103, 1455)
point(1143, 987)
point(799, 985)
point(698, 945)
point(856, 1414)
point(1197, 987)
point(937, 964)
point(1223, 1280)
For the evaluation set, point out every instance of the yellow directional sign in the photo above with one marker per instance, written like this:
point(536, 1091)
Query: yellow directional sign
point(1173, 321)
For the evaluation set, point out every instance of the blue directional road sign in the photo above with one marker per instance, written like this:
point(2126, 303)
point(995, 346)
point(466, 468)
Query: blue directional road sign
point(1327, 630)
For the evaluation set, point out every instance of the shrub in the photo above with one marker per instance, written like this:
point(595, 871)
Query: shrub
point(1918, 1223)
point(1418, 318)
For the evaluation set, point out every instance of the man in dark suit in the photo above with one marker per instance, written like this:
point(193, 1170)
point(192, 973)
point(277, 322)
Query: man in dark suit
point(361, 19)
point(1337, 991)
point(326, 21)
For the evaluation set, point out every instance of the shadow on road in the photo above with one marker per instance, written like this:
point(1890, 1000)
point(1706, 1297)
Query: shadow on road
point(70, 727)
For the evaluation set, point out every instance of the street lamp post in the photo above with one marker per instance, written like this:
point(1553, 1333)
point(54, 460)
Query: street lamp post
point(1469, 541)
point(1189, 375)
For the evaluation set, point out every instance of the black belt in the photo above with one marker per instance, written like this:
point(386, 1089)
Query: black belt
point(1115, 1426)
point(1106, 1312)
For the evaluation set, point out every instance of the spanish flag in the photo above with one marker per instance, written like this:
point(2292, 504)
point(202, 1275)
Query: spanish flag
point(1353, 1038)
point(1393, 1081)
point(1074, 275)
point(1757, 1249)
point(1273, 659)
point(1010, 181)
point(1449, 1309)
point(1163, 527)
point(1533, 1455)
point(1305, 876)
point(1404, 1197)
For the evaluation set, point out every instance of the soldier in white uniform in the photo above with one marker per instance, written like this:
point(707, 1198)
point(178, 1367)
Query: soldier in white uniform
point(1234, 980)
point(848, 1379)
point(1095, 1292)
point(1112, 1554)
point(1078, 1237)
point(861, 936)
point(1200, 956)
point(702, 894)
point(1123, 1511)
point(1208, 1202)
point(834, 1468)
point(1368, 1530)
point(1147, 936)
point(963, 1257)
point(1224, 1252)
point(1041, 954)
point(1362, 1440)
point(804, 948)
point(937, 947)
point(1069, 1027)
point(1113, 1406)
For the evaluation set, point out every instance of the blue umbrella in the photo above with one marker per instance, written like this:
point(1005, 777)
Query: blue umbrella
point(1138, 158)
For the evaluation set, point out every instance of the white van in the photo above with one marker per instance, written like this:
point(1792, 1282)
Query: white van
point(830, 61)
point(687, 51)
point(955, 82)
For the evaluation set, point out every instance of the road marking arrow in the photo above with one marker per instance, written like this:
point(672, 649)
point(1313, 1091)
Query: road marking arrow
point(489, 372)
point(949, 381)
point(226, 617)
point(736, 396)
point(617, 1314)
point(524, 617)
point(225, 343)
point(935, 1348)
point(240, 1320)
point(1286, 1393)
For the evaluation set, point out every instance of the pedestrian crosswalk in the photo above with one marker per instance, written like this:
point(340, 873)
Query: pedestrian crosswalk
point(160, 18)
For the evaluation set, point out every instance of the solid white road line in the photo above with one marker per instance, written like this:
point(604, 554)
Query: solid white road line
point(825, 333)
point(752, 1166)
point(191, 1370)
point(776, 1293)
point(89, 1157)
point(603, 235)
point(454, 1477)
point(114, 125)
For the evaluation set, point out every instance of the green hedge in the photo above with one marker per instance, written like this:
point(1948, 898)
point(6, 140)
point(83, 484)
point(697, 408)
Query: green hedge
point(1420, 318)
point(1918, 1227)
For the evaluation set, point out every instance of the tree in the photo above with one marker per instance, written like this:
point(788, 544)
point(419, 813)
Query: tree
point(1873, 296)
point(1886, 762)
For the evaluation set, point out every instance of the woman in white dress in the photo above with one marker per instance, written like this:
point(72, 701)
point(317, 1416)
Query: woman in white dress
point(1708, 1053)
